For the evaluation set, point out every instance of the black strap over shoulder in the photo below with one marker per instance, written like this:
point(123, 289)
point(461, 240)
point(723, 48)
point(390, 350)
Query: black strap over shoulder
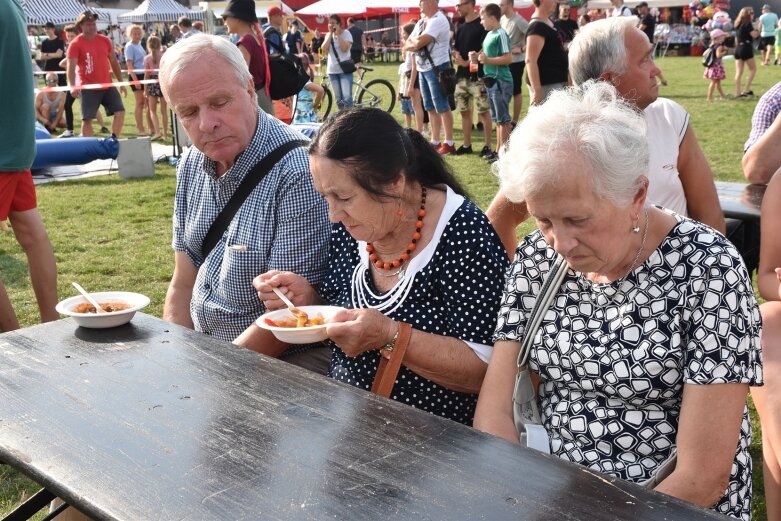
point(248, 184)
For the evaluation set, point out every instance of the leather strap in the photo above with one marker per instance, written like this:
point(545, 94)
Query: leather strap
point(386, 375)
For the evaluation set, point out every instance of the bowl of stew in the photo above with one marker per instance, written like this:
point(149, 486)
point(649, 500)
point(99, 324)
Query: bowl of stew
point(120, 307)
point(288, 329)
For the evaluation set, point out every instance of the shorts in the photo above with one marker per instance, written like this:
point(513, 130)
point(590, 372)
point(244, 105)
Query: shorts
point(135, 88)
point(430, 91)
point(744, 51)
point(766, 41)
point(17, 192)
point(356, 55)
point(406, 106)
point(499, 95)
point(92, 99)
point(516, 69)
point(778, 49)
point(468, 90)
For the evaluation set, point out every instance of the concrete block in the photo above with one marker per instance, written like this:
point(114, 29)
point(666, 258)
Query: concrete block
point(135, 158)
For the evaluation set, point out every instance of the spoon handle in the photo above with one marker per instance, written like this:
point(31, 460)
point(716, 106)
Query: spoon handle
point(283, 298)
point(98, 307)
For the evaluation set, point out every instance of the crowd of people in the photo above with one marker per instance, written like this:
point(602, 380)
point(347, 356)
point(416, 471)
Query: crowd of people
point(651, 318)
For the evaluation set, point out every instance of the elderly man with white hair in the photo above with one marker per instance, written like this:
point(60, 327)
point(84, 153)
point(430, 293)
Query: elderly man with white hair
point(281, 225)
point(616, 51)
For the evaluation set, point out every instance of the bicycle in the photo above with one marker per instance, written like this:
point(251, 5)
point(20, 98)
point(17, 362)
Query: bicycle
point(376, 93)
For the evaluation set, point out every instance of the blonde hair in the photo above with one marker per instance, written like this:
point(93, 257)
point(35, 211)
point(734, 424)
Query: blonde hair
point(129, 31)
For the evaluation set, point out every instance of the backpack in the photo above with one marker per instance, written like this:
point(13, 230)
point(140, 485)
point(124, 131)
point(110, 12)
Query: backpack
point(708, 57)
point(288, 73)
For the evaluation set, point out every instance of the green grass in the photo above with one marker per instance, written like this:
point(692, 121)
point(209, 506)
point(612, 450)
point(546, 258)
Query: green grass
point(113, 233)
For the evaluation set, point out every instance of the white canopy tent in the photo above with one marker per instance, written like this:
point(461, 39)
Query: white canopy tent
point(60, 12)
point(605, 4)
point(383, 7)
point(261, 8)
point(160, 11)
point(328, 7)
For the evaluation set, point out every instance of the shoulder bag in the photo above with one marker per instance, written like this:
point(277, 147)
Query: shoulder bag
point(445, 77)
point(526, 412)
point(347, 66)
point(248, 184)
point(389, 367)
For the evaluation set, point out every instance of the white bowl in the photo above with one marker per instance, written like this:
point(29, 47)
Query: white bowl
point(299, 335)
point(104, 320)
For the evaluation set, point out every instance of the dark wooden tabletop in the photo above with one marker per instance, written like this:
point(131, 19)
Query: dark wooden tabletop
point(740, 200)
point(153, 421)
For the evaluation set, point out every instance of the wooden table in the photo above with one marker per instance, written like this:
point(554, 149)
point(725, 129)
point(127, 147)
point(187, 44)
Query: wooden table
point(740, 200)
point(154, 421)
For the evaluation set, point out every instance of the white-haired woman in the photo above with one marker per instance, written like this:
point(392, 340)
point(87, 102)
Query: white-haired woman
point(652, 338)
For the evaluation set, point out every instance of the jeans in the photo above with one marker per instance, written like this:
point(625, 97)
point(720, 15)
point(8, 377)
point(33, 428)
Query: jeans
point(430, 90)
point(500, 94)
point(342, 84)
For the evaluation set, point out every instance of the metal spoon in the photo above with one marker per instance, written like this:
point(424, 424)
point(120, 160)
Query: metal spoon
point(298, 313)
point(98, 308)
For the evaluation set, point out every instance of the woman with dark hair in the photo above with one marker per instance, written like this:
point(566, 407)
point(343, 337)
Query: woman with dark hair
point(406, 246)
point(336, 47)
point(240, 19)
point(744, 50)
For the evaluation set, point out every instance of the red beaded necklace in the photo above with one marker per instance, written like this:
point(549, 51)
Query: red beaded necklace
point(386, 265)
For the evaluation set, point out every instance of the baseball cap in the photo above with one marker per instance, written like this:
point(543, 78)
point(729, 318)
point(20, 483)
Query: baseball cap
point(274, 10)
point(642, 4)
point(717, 33)
point(766, 7)
point(50, 25)
point(86, 15)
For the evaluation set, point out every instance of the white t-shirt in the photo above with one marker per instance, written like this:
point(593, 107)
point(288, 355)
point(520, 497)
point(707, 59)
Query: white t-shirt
point(667, 123)
point(333, 63)
point(516, 26)
point(621, 11)
point(438, 28)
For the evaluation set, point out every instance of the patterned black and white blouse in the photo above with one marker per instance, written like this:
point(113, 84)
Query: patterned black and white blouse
point(452, 287)
point(614, 358)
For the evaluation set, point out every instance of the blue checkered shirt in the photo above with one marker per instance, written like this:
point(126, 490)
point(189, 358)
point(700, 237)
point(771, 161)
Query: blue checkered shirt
point(282, 225)
point(768, 107)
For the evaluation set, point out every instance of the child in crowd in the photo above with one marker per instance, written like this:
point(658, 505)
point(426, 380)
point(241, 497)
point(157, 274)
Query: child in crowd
point(152, 91)
point(406, 101)
point(715, 72)
point(310, 97)
point(496, 58)
point(412, 85)
point(777, 55)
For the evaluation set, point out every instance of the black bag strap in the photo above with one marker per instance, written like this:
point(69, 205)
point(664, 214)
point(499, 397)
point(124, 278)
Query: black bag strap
point(248, 184)
point(267, 33)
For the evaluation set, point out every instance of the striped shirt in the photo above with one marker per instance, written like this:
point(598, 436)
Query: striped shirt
point(282, 225)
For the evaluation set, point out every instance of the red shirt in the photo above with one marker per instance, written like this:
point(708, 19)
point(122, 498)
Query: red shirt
point(92, 56)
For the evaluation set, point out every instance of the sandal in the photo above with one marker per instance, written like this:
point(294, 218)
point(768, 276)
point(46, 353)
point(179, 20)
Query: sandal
point(155, 137)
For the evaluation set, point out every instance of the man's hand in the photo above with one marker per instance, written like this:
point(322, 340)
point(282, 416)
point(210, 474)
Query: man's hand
point(76, 91)
point(123, 90)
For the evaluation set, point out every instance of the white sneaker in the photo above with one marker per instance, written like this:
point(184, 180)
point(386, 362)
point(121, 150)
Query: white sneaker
point(67, 133)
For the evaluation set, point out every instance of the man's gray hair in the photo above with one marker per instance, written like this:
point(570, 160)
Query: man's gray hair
point(190, 50)
point(599, 47)
point(592, 123)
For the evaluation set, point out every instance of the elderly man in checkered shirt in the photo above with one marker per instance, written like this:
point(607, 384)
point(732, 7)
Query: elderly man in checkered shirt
point(283, 224)
point(761, 153)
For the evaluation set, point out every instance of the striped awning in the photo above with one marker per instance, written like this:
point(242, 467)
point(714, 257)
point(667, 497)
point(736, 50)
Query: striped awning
point(59, 12)
point(160, 11)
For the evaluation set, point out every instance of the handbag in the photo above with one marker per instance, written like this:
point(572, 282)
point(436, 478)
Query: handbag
point(446, 77)
point(526, 413)
point(250, 181)
point(388, 370)
point(347, 66)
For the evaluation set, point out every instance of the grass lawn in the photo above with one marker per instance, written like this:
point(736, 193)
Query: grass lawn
point(112, 233)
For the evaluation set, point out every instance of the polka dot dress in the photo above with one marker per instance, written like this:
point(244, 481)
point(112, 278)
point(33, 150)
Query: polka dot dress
point(613, 358)
point(454, 290)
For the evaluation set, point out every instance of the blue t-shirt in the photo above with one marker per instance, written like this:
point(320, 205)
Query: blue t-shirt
point(134, 54)
point(768, 22)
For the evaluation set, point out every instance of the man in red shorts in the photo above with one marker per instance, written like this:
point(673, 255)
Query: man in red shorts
point(94, 56)
point(17, 151)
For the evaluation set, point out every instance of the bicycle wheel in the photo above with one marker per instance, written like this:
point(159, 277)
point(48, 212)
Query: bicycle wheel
point(378, 94)
point(325, 105)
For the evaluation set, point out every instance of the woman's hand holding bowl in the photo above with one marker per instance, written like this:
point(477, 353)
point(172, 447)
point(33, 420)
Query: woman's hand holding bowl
point(356, 331)
point(295, 287)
